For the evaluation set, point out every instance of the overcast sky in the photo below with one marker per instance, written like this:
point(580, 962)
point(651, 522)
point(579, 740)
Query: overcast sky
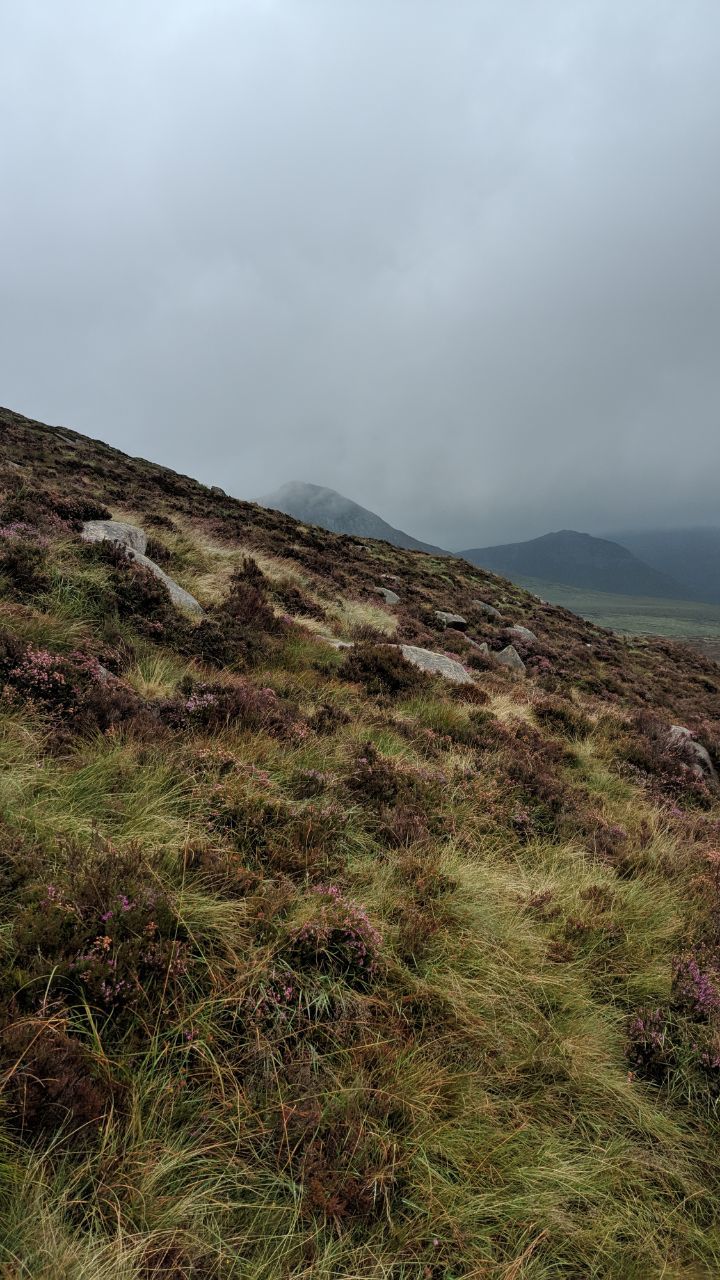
point(459, 259)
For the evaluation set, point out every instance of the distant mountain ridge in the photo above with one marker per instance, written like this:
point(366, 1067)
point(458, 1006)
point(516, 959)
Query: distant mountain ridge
point(315, 504)
point(579, 560)
point(692, 556)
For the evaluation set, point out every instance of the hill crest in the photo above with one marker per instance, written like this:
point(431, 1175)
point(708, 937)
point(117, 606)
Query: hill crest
point(572, 558)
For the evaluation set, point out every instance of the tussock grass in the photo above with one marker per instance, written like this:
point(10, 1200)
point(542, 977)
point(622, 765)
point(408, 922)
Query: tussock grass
point(380, 953)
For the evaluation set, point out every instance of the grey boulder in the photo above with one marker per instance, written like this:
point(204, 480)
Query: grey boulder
point(451, 619)
point(436, 663)
point(128, 535)
point(509, 657)
point(134, 540)
point(523, 635)
point(390, 597)
point(703, 767)
point(487, 610)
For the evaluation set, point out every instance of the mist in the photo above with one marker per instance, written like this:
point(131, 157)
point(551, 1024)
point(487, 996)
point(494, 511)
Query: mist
point(458, 260)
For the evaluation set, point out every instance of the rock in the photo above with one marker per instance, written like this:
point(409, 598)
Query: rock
point(451, 619)
point(703, 766)
point(178, 594)
point(337, 644)
point(483, 648)
point(134, 540)
point(436, 663)
point(523, 635)
point(129, 535)
point(219, 493)
point(390, 597)
point(510, 657)
point(487, 610)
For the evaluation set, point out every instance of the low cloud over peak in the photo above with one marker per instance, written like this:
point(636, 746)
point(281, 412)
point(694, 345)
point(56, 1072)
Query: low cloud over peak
point(458, 262)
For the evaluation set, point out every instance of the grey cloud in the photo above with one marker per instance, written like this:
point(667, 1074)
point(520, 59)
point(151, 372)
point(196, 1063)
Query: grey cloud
point(456, 259)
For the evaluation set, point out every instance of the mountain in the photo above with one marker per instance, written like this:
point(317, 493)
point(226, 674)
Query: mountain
point(314, 965)
point(314, 504)
point(578, 560)
point(691, 556)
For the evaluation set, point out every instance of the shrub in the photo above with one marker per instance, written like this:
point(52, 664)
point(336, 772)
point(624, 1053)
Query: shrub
point(239, 631)
point(110, 937)
point(51, 1081)
point(53, 682)
point(339, 938)
point(50, 511)
point(669, 767)
point(212, 706)
point(382, 669)
point(73, 689)
point(294, 600)
point(23, 561)
point(560, 716)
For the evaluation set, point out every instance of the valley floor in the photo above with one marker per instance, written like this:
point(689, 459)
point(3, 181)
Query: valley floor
point(697, 623)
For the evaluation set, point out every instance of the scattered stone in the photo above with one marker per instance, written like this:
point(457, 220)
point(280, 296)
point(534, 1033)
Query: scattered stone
point(703, 766)
point(436, 663)
point(451, 619)
point(483, 648)
point(523, 635)
point(390, 597)
point(509, 657)
point(129, 535)
point(134, 540)
point(487, 610)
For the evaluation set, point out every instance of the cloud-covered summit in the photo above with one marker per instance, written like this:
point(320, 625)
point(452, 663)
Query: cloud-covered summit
point(456, 260)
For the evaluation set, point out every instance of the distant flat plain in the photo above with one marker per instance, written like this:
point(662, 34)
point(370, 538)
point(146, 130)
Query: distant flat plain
point(698, 624)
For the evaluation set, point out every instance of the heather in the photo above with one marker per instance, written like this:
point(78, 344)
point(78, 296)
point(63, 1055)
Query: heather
point(313, 964)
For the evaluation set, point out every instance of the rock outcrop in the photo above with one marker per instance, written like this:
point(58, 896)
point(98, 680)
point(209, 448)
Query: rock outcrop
point(134, 539)
point(703, 766)
point(451, 619)
point(523, 635)
point(128, 535)
point(436, 664)
point(509, 657)
point(487, 610)
point(390, 597)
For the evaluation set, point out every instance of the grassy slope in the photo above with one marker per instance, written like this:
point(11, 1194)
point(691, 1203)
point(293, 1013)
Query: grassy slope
point(425, 1071)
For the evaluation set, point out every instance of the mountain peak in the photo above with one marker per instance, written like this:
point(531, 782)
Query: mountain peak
point(576, 559)
point(317, 504)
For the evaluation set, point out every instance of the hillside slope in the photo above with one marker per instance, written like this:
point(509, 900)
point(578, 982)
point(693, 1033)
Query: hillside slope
point(314, 965)
point(314, 504)
point(578, 560)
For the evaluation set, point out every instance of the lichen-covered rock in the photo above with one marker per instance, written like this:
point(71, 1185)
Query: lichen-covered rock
point(487, 610)
point(178, 594)
point(523, 635)
point(128, 535)
point(134, 540)
point(509, 657)
point(390, 597)
point(451, 619)
point(436, 663)
point(703, 766)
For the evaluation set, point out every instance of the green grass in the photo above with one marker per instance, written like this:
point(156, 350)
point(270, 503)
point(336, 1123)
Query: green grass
point(462, 1109)
point(634, 615)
